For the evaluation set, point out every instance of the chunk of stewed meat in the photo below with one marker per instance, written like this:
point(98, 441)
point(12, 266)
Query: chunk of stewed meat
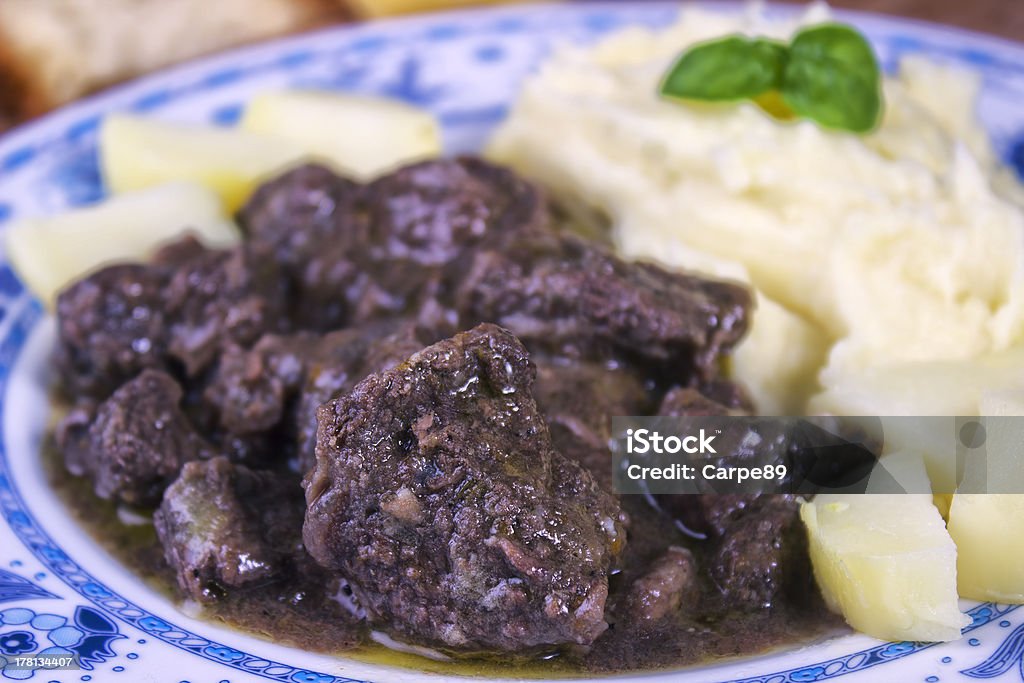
point(670, 583)
point(357, 253)
point(300, 212)
point(277, 386)
point(250, 389)
point(136, 443)
point(569, 297)
point(438, 495)
point(431, 212)
point(404, 227)
point(219, 297)
point(578, 400)
point(224, 526)
point(425, 213)
point(755, 545)
point(709, 515)
point(730, 394)
point(689, 402)
point(343, 287)
point(110, 326)
point(749, 442)
point(179, 252)
point(338, 376)
point(175, 312)
point(761, 556)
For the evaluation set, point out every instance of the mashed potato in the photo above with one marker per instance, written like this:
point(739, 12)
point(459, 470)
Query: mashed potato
point(892, 250)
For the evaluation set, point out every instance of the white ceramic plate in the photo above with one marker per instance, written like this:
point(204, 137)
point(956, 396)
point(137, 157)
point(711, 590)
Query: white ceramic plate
point(60, 593)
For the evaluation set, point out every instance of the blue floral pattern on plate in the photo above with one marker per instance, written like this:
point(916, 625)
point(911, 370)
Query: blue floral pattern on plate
point(87, 634)
point(466, 68)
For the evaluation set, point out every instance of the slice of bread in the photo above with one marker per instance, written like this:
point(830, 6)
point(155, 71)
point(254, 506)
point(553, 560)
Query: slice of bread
point(53, 51)
point(379, 8)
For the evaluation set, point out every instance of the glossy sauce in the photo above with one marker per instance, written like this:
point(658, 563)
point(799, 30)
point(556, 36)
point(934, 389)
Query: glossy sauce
point(307, 617)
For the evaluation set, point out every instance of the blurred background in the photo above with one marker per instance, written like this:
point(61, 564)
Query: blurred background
point(55, 51)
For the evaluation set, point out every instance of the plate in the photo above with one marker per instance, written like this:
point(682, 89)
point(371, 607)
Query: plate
point(60, 593)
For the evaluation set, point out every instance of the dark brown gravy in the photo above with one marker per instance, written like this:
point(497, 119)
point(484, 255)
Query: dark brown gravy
point(304, 617)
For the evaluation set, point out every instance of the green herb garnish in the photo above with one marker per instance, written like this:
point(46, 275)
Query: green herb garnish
point(827, 74)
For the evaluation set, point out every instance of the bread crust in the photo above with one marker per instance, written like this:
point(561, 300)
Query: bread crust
point(24, 92)
point(18, 99)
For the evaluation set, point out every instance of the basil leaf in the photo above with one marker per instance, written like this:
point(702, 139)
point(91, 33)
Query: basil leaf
point(731, 68)
point(832, 77)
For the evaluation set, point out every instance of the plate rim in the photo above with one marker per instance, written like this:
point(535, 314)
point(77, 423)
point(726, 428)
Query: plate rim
point(65, 117)
point(105, 96)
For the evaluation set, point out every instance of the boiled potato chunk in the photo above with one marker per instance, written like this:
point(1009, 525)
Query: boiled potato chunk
point(1003, 470)
point(900, 472)
point(49, 253)
point(989, 528)
point(989, 533)
point(942, 502)
point(886, 563)
point(358, 135)
point(930, 388)
point(995, 461)
point(136, 153)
